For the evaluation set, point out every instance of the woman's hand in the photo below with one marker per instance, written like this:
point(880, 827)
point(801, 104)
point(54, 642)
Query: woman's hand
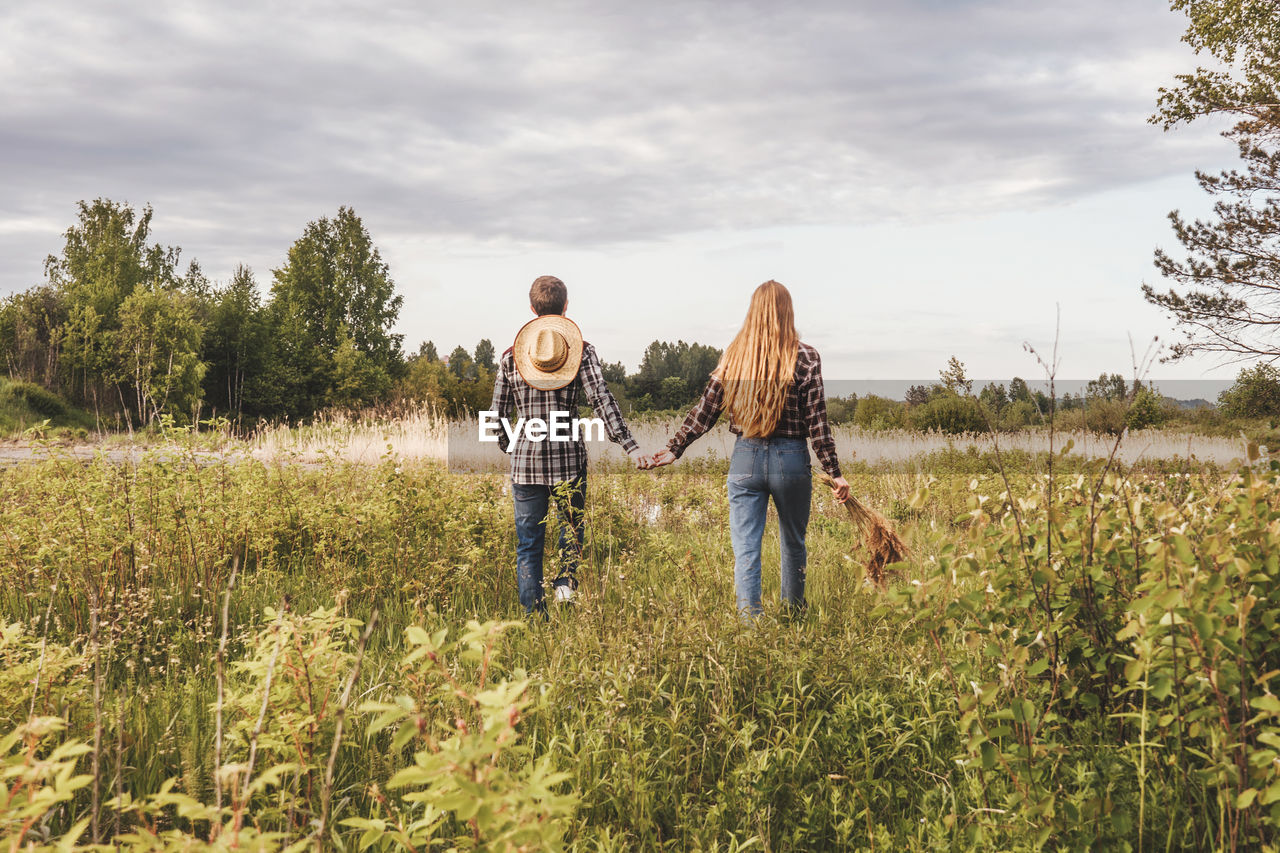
point(663, 457)
point(840, 488)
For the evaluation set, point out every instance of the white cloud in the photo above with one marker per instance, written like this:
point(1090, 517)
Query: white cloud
point(492, 128)
point(581, 122)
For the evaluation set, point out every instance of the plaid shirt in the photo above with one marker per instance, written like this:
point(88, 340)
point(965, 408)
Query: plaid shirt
point(547, 462)
point(804, 415)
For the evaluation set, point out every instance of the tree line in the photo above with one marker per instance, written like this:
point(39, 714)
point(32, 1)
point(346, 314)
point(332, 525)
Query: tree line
point(1107, 404)
point(122, 329)
point(671, 376)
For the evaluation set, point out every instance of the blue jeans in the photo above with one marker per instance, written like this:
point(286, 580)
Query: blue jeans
point(533, 504)
point(760, 468)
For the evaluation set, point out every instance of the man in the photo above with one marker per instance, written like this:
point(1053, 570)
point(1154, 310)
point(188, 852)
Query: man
point(537, 378)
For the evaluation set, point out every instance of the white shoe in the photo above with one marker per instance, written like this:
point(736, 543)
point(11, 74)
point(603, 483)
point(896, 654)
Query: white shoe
point(564, 592)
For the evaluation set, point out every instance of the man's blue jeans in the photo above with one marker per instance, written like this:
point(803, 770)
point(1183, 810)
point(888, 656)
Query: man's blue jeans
point(761, 468)
point(532, 504)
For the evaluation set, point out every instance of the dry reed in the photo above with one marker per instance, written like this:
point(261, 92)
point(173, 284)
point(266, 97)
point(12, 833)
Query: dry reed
point(877, 535)
point(414, 434)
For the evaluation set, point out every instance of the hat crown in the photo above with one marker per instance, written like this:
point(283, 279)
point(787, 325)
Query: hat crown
point(549, 351)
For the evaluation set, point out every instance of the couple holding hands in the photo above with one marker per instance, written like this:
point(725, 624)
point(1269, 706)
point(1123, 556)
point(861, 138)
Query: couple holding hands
point(768, 381)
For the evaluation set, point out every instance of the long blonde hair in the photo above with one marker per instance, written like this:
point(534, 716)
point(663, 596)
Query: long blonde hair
point(757, 368)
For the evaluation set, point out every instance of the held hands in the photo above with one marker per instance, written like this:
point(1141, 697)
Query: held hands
point(655, 460)
point(839, 485)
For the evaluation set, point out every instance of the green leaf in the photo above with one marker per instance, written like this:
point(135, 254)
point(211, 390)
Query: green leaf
point(1182, 549)
point(989, 753)
point(409, 776)
point(1266, 702)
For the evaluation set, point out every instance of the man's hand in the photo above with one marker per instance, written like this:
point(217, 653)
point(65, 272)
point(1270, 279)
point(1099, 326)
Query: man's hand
point(643, 462)
point(840, 488)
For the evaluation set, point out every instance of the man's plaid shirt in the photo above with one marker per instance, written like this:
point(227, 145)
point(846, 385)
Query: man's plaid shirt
point(804, 415)
point(546, 463)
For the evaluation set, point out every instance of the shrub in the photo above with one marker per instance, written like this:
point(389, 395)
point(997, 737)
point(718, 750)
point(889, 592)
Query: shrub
point(1255, 394)
point(948, 413)
point(37, 766)
point(879, 413)
point(40, 400)
point(841, 410)
point(1020, 413)
point(1097, 415)
point(23, 404)
point(1111, 646)
point(466, 789)
point(1146, 410)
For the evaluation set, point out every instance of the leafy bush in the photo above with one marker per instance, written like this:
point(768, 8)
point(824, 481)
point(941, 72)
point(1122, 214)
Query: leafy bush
point(1110, 645)
point(40, 400)
point(474, 785)
point(38, 769)
point(1020, 413)
point(949, 413)
point(1255, 394)
point(841, 410)
point(479, 787)
point(879, 413)
point(23, 404)
point(54, 672)
point(1096, 415)
point(1145, 410)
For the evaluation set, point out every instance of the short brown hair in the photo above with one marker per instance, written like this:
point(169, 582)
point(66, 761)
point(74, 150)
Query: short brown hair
point(548, 295)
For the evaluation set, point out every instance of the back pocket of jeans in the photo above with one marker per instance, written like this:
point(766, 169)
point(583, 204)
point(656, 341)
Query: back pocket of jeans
point(742, 465)
point(794, 463)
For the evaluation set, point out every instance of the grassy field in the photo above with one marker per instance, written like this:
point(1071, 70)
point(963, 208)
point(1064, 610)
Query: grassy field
point(1073, 657)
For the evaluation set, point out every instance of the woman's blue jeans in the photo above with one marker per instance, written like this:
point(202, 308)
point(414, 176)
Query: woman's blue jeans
point(762, 468)
point(532, 506)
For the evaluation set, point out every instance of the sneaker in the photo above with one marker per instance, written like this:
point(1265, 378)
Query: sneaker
point(564, 592)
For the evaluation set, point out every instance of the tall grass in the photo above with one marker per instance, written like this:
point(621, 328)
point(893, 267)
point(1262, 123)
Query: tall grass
point(646, 716)
point(415, 434)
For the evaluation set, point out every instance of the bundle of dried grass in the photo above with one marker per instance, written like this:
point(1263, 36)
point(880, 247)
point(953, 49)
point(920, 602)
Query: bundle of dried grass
point(877, 535)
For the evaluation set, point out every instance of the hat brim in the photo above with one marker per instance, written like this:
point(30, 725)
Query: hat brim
point(541, 379)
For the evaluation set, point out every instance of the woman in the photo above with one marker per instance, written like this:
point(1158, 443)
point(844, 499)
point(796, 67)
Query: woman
point(770, 383)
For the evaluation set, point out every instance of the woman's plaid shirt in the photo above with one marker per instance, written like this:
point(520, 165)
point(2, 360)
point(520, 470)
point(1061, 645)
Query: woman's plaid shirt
point(545, 463)
point(804, 415)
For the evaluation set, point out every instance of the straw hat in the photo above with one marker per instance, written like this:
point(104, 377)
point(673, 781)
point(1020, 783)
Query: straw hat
point(548, 350)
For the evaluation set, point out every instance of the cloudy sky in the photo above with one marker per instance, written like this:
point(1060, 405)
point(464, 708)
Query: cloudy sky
point(929, 178)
